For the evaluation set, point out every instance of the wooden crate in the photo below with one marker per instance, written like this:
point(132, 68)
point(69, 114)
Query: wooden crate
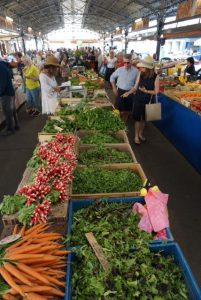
point(133, 166)
point(121, 135)
point(70, 101)
point(58, 214)
point(121, 147)
point(26, 178)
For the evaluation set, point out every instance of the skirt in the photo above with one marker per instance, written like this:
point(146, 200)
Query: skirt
point(124, 104)
point(139, 102)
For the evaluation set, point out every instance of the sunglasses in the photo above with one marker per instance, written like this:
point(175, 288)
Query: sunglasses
point(126, 62)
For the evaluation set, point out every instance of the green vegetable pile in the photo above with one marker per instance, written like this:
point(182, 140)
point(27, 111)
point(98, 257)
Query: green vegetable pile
point(140, 275)
point(12, 204)
point(103, 155)
point(77, 95)
point(99, 138)
point(98, 180)
point(99, 119)
point(74, 81)
point(52, 126)
point(94, 85)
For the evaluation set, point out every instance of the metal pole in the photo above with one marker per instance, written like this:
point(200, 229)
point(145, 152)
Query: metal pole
point(111, 41)
point(126, 40)
point(160, 25)
point(36, 41)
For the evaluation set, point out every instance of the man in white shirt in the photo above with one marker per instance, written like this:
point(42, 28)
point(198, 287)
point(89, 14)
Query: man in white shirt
point(125, 78)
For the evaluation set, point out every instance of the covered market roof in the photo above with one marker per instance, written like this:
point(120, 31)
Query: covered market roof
point(107, 15)
point(41, 15)
point(98, 15)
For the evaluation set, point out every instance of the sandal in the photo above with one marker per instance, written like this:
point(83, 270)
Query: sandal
point(142, 138)
point(137, 142)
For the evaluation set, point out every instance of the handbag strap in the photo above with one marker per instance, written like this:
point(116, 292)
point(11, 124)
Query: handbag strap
point(156, 97)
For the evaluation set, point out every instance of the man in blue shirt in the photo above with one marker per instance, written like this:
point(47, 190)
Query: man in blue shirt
point(7, 95)
point(126, 79)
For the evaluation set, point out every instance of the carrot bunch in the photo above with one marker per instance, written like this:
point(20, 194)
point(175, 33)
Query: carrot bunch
point(32, 266)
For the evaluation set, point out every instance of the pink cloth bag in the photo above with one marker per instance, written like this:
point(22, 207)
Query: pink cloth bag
point(155, 216)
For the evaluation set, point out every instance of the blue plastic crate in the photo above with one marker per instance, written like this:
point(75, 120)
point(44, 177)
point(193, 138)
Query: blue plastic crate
point(76, 205)
point(174, 250)
point(167, 249)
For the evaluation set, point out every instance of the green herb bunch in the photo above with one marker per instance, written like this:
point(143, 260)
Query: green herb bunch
point(100, 180)
point(65, 125)
point(139, 275)
point(103, 155)
point(96, 137)
point(99, 119)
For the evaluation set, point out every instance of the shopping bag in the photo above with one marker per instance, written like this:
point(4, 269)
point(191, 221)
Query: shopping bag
point(102, 70)
point(153, 111)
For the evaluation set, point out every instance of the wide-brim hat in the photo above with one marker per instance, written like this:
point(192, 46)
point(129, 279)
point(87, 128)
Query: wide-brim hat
point(51, 61)
point(147, 62)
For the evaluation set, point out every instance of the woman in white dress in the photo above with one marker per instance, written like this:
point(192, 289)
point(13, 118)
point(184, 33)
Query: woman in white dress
point(49, 88)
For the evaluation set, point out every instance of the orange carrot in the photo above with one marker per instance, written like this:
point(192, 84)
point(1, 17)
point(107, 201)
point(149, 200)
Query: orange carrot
point(35, 296)
point(38, 289)
point(54, 280)
point(16, 273)
point(22, 231)
point(15, 229)
point(30, 271)
point(8, 278)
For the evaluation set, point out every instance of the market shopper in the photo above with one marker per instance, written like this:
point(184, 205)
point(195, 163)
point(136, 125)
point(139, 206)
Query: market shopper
point(7, 99)
point(31, 76)
point(65, 69)
point(49, 88)
point(190, 69)
point(123, 82)
point(110, 62)
point(20, 64)
point(148, 88)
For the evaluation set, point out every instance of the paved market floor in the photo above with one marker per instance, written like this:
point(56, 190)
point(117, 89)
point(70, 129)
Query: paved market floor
point(161, 162)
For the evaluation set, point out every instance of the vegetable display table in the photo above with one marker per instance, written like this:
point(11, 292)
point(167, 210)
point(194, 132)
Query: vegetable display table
point(182, 127)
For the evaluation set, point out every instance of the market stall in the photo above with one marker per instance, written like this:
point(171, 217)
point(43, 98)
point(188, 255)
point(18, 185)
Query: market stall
point(79, 161)
point(182, 124)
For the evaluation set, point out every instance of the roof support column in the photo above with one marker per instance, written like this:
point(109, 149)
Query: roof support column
point(36, 41)
point(126, 40)
point(111, 41)
point(23, 42)
point(160, 24)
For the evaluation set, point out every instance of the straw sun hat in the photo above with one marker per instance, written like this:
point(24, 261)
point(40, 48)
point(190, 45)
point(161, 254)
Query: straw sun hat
point(147, 62)
point(51, 61)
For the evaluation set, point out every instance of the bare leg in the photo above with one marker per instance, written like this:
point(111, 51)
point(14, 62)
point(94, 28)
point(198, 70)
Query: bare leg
point(137, 131)
point(141, 130)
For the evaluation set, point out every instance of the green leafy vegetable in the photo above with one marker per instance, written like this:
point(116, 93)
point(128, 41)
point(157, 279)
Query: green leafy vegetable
point(25, 214)
point(99, 138)
point(99, 180)
point(99, 119)
point(139, 275)
point(52, 126)
point(12, 204)
point(103, 155)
